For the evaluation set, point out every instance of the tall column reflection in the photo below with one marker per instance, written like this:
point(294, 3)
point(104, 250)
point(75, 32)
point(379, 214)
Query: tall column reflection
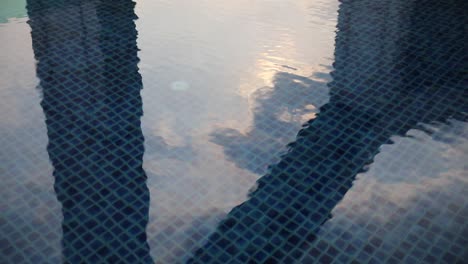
point(397, 64)
point(87, 66)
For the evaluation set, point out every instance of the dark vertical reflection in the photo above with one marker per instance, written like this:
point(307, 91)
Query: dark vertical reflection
point(87, 65)
point(397, 64)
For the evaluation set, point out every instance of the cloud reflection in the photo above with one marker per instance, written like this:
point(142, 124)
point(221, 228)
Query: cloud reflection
point(278, 112)
point(383, 88)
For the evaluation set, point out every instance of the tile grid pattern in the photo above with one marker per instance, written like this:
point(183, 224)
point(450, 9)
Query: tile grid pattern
point(397, 67)
point(390, 76)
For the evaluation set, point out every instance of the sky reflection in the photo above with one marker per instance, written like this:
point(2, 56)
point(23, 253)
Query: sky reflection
point(226, 86)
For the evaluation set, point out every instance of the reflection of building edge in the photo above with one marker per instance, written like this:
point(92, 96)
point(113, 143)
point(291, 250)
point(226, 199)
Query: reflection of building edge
point(87, 65)
point(383, 86)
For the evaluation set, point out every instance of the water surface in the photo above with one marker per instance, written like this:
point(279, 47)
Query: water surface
point(263, 132)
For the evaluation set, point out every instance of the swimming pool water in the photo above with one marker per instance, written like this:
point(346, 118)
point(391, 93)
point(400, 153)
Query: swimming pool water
point(270, 131)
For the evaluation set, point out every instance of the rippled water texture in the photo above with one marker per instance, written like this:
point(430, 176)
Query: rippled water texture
point(269, 131)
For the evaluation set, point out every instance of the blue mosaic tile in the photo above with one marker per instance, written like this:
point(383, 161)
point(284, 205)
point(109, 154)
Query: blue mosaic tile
point(87, 64)
point(342, 192)
point(390, 75)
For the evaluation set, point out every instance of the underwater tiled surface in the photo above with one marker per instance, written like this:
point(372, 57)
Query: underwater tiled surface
point(376, 174)
point(92, 105)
